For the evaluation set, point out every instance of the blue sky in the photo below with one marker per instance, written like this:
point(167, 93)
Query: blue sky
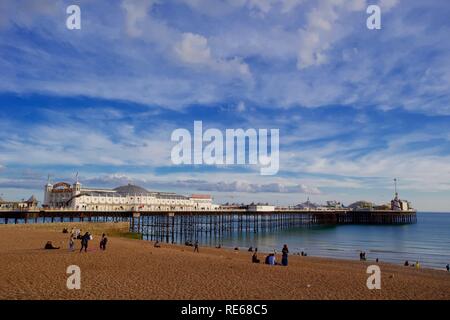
point(355, 107)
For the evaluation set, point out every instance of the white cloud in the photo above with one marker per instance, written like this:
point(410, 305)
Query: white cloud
point(14, 12)
point(202, 182)
point(136, 43)
point(76, 144)
point(241, 107)
point(263, 6)
point(387, 5)
point(194, 49)
point(289, 5)
point(322, 30)
point(136, 13)
point(419, 169)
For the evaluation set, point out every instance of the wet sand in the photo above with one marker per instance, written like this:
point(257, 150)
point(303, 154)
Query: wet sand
point(134, 269)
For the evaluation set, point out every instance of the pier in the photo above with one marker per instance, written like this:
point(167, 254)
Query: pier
point(211, 226)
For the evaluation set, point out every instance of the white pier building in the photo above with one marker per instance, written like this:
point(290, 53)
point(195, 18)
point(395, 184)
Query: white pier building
point(125, 198)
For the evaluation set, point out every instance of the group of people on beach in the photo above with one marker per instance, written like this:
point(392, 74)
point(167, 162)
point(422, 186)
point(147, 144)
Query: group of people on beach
point(362, 256)
point(76, 234)
point(270, 258)
point(417, 265)
point(195, 245)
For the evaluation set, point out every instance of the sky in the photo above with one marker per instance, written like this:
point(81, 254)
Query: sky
point(355, 107)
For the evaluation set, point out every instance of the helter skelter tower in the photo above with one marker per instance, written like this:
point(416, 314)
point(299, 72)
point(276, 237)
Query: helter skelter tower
point(396, 203)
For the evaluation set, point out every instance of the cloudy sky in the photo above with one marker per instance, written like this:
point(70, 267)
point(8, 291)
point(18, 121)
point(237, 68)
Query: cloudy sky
point(355, 107)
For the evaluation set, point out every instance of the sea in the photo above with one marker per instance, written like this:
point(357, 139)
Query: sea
point(428, 241)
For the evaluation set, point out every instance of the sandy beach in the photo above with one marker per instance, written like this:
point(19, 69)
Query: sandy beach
point(134, 269)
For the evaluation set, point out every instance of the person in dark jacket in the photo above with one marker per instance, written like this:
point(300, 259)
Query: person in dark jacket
point(284, 258)
point(49, 246)
point(255, 257)
point(103, 242)
point(196, 247)
point(85, 241)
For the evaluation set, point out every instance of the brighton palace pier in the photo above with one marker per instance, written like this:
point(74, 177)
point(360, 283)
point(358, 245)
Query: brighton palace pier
point(176, 218)
point(125, 198)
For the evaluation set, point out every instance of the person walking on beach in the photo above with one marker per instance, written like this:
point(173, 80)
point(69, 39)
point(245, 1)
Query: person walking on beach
point(255, 257)
point(71, 243)
point(284, 258)
point(103, 242)
point(448, 267)
point(196, 246)
point(84, 241)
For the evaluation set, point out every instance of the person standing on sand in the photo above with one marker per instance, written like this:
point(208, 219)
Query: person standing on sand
point(448, 267)
point(255, 256)
point(362, 256)
point(71, 243)
point(84, 241)
point(284, 258)
point(103, 242)
point(196, 246)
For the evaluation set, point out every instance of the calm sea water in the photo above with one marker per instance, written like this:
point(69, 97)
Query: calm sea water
point(428, 241)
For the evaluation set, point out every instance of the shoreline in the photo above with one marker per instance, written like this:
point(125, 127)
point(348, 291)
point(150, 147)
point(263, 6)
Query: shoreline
point(339, 259)
point(134, 269)
point(123, 232)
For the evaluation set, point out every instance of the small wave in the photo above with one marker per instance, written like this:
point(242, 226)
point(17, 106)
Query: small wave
point(388, 251)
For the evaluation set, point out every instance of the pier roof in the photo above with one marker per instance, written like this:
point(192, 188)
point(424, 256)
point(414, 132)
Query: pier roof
point(132, 189)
